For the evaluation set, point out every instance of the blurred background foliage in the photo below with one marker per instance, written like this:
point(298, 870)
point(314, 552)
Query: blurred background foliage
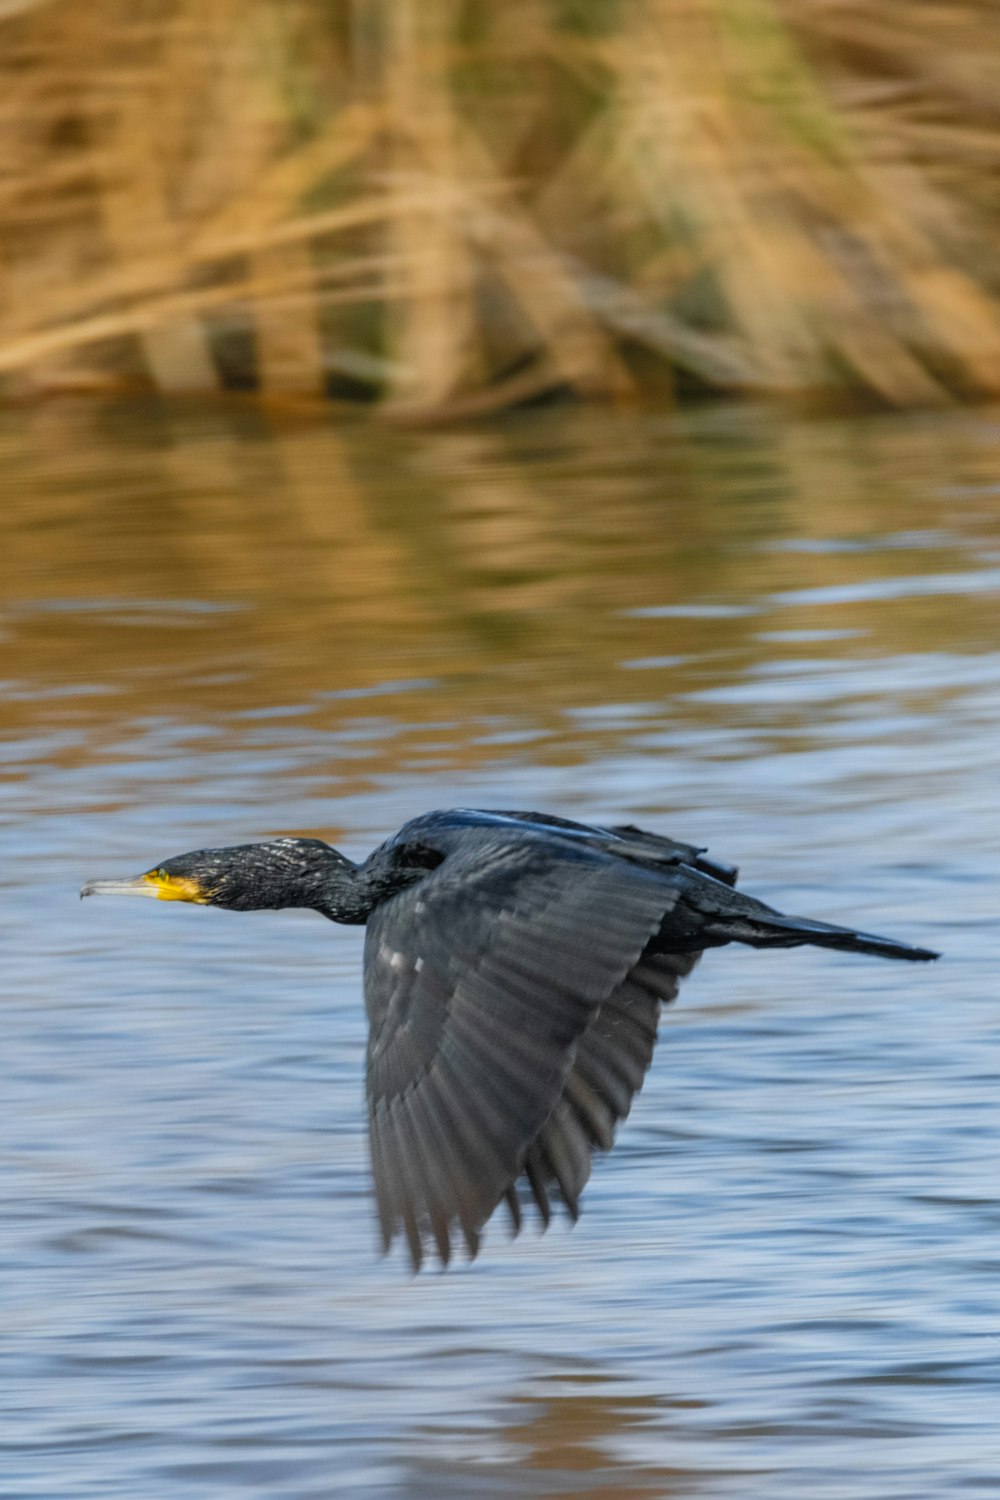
point(450, 206)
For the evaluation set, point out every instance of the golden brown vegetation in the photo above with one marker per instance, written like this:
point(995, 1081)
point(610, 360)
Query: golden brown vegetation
point(449, 205)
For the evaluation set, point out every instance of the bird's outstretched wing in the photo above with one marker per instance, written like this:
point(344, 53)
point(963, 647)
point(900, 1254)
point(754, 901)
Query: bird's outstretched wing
point(510, 1027)
point(609, 1065)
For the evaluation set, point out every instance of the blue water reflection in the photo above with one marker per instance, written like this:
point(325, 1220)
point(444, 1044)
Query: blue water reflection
point(779, 639)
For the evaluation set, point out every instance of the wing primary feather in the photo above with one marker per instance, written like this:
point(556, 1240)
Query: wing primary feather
point(435, 1161)
point(592, 1110)
point(413, 1236)
point(400, 1199)
point(416, 1173)
point(606, 1082)
point(535, 1173)
point(383, 1175)
point(514, 1204)
point(478, 1127)
point(443, 1124)
point(453, 1124)
point(567, 1156)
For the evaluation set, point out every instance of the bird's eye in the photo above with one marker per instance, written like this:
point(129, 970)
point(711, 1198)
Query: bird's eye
point(161, 874)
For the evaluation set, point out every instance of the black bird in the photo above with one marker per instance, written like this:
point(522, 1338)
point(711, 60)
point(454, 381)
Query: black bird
point(514, 968)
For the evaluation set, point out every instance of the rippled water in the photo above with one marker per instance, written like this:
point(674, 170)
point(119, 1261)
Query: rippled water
point(781, 639)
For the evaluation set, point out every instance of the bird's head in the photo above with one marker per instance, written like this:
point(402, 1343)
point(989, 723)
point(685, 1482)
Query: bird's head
point(245, 877)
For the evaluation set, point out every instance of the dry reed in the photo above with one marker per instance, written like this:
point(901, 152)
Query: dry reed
point(449, 206)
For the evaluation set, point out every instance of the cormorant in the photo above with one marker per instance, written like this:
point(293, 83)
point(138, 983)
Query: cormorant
point(514, 968)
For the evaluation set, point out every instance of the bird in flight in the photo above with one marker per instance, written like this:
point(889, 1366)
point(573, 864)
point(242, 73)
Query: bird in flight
point(514, 968)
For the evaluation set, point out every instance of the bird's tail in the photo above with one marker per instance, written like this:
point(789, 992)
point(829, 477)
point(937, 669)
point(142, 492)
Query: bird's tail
point(772, 929)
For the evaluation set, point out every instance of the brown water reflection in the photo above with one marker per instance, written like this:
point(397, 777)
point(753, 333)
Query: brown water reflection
point(573, 1427)
point(781, 637)
point(213, 564)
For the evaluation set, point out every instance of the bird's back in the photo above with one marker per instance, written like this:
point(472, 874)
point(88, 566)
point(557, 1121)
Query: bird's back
point(454, 827)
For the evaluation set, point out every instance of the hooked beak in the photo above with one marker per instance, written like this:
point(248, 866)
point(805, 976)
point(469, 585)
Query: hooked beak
point(136, 885)
point(155, 883)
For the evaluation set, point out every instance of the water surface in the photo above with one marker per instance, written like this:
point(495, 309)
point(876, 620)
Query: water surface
point(778, 638)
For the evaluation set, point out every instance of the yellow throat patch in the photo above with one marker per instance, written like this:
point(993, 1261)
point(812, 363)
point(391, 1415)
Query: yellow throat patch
point(176, 887)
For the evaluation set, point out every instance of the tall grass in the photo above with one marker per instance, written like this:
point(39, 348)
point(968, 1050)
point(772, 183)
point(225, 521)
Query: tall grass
point(448, 205)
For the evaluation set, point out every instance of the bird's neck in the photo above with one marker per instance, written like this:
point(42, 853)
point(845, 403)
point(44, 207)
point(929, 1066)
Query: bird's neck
point(340, 893)
point(349, 893)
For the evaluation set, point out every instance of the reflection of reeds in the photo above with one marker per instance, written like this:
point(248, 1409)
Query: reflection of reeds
point(225, 570)
point(455, 206)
